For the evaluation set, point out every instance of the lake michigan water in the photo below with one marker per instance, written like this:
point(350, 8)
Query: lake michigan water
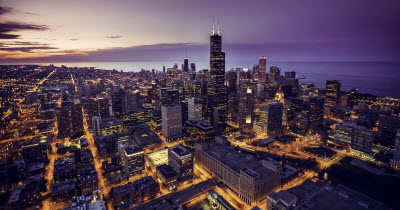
point(377, 78)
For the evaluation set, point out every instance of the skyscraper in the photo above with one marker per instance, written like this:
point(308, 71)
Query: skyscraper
point(132, 100)
point(63, 120)
point(118, 102)
point(315, 112)
point(333, 92)
point(271, 117)
point(171, 120)
point(103, 107)
point(96, 125)
point(274, 74)
point(77, 119)
point(195, 109)
point(186, 65)
point(217, 92)
point(246, 109)
point(262, 69)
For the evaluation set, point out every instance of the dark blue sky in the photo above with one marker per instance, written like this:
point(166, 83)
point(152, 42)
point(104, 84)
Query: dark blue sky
point(164, 30)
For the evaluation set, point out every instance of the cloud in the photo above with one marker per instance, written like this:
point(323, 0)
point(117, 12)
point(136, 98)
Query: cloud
point(4, 10)
point(26, 49)
point(74, 39)
point(113, 37)
point(6, 28)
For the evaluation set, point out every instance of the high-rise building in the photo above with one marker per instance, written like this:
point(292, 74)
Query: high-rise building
point(170, 76)
point(185, 110)
point(171, 120)
point(262, 69)
point(195, 112)
point(103, 106)
point(274, 74)
point(181, 160)
point(333, 92)
point(132, 159)
point(315, 112)
point(163, 95)
point(362, 141)
point(246, 109)
point(96, 125)
point(63, 120)
point(185, 65)
point(395, 161)
point(132, 100)
point(217, 91)
point(193, 67)
point(35, 152)
point(271, 117)
point(118, 102)
point(173, 96)
point(77, 119)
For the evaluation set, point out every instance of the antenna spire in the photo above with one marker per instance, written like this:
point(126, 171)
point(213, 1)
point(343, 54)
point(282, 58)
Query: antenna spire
point(218, 27)
point(213, 27)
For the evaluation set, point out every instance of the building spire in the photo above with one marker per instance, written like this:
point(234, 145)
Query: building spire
point(213, 27)
point(218, 27)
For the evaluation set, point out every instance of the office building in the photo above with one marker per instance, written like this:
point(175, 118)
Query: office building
point(274, 74)
point(395, 161)
point(132, 100)
point(110, 126)
point(96, 125)
point(185, 65)
point(199, 130)
point(195, 109)
point(146, 137)
point(362, 141)
point(271, 117)
point(118, 102)
point(333, 92)
point(217, 91)
point(246, 109)
point(167, 176)
point(171, 121)
point(63, 191)
point(181, 160)
point(63, 120)
point(132, 159)
point(250, 177)
point(315, 112)
point(77, 119)
point(36, 152)
point(86, 179)
point(103, 107)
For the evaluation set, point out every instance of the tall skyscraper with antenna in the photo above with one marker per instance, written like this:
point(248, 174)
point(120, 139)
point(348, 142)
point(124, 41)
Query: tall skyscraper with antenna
point(217, 91)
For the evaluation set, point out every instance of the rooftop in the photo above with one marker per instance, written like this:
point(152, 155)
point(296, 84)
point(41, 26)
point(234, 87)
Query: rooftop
point(235, 160)
point(63, 186)
point(158, 157)
point(167, 171)
point(180, 151)
point(133, 150)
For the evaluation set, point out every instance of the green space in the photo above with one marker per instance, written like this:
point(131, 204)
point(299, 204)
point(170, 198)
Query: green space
point(382, 187)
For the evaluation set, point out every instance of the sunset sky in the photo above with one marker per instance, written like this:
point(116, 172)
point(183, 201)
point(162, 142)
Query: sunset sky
point(158, 30)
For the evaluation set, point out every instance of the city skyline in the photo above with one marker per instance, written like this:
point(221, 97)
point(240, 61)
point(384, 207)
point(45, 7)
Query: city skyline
point(40, 31)
point(201, 132)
